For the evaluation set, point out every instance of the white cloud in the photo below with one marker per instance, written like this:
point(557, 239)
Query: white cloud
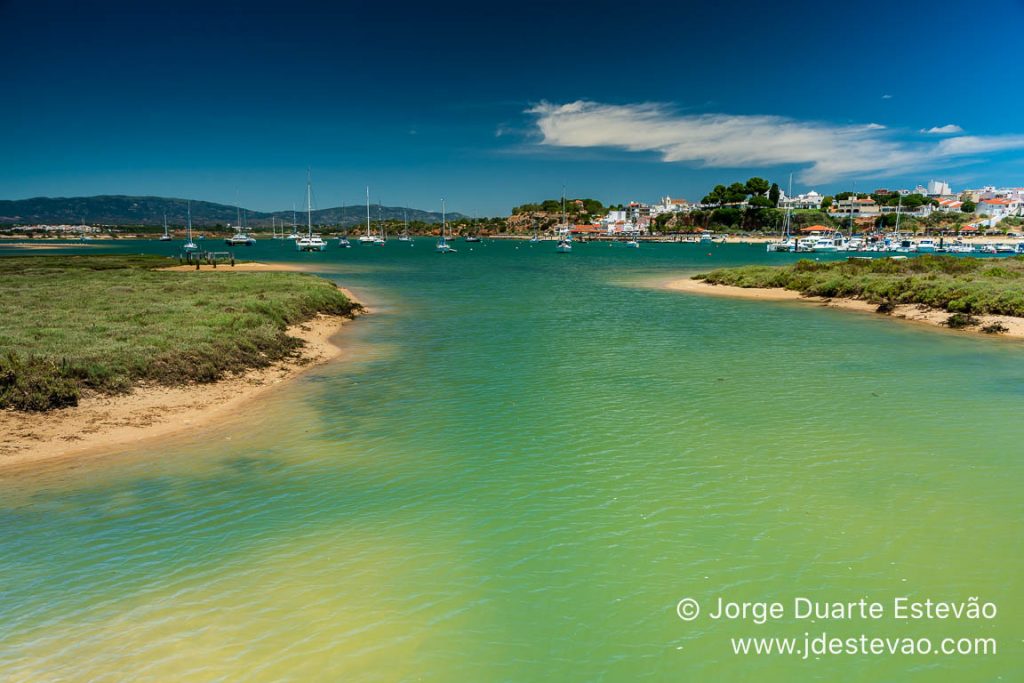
point(827, 151)
point(948, 129)
point(886, 97)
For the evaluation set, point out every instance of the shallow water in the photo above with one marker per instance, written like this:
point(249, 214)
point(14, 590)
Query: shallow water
point(529, 460)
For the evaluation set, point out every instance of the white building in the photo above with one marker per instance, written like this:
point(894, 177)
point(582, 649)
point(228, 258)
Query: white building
point(999, 207)
point(938, 188)
point(811, 200)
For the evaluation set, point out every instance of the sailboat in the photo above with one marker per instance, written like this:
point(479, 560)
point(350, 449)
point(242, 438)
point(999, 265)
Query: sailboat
point(367, 237)
point(382, 240)
point(166, 237)
point(241, 236)
point(310, 242)
point(442, 244)
point(190, 246)
point(295, 232)
point(787, 243)
point(633, 242)
point(404, 237)
point(564, 244)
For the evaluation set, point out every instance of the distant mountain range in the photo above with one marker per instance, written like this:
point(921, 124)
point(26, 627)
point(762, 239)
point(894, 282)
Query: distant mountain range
point(127, 210)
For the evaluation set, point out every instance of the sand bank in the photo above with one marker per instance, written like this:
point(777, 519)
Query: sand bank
point(914, 313)
point(39, 245)
point(249, 266)
point(106, 424)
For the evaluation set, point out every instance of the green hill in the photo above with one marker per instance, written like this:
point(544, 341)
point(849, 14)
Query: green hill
point(129, 210)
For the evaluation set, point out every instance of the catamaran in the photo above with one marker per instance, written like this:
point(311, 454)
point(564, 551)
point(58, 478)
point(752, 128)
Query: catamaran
point(442, 244)
point(189, 244)
point(310, 241)
point(241, 236)
point(166, 237)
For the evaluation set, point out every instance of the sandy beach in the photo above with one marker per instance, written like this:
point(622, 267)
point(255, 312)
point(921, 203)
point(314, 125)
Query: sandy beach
point(104, 424)
point(912, 313)
point(251, 266)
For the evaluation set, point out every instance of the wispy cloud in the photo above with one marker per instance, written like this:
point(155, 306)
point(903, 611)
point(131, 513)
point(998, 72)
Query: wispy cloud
point(886, 97)
point(826, 151)
point(948, 129)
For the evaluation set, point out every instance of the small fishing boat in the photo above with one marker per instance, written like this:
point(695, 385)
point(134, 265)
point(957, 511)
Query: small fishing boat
point(633, 243)
point(472, 238)
point(926, 246)
point(344, 243)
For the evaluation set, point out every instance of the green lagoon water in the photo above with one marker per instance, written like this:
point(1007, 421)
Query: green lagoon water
point(528, 460)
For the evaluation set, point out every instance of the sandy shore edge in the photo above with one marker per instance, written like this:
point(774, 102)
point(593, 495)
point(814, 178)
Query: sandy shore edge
point(913, 313)
point(108, 424)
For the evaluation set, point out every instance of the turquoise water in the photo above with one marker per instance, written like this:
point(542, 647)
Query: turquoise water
point(529, 459)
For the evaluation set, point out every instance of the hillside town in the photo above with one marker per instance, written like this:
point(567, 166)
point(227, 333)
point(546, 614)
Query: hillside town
point(981, 210)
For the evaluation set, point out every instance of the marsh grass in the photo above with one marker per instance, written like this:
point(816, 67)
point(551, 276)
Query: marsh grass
point(73, 324)
point(965, 285)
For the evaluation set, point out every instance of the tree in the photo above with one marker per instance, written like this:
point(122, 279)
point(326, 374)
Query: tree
point(736, 193)
point(726, 217)
point(774, 193)
point(968, 206)
point(826, 202)
point(756, 186)
point(718, 195)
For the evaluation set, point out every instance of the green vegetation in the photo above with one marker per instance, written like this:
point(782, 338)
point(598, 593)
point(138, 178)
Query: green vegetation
point(73, 324)
point(956, 284)
point(573, 207)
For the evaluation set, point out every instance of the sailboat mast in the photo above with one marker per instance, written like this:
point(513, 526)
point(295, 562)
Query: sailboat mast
point(789, 209)
point(444, 220)
point(367, 210)
point(190, 220)
point(309, 203)
point(899, 205)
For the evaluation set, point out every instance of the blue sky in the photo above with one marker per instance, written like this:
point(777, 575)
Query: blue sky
point(495, 105)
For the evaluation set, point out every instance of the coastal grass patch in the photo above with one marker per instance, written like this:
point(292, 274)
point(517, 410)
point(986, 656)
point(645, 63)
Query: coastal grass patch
point(972, 286)
point(76, 324)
